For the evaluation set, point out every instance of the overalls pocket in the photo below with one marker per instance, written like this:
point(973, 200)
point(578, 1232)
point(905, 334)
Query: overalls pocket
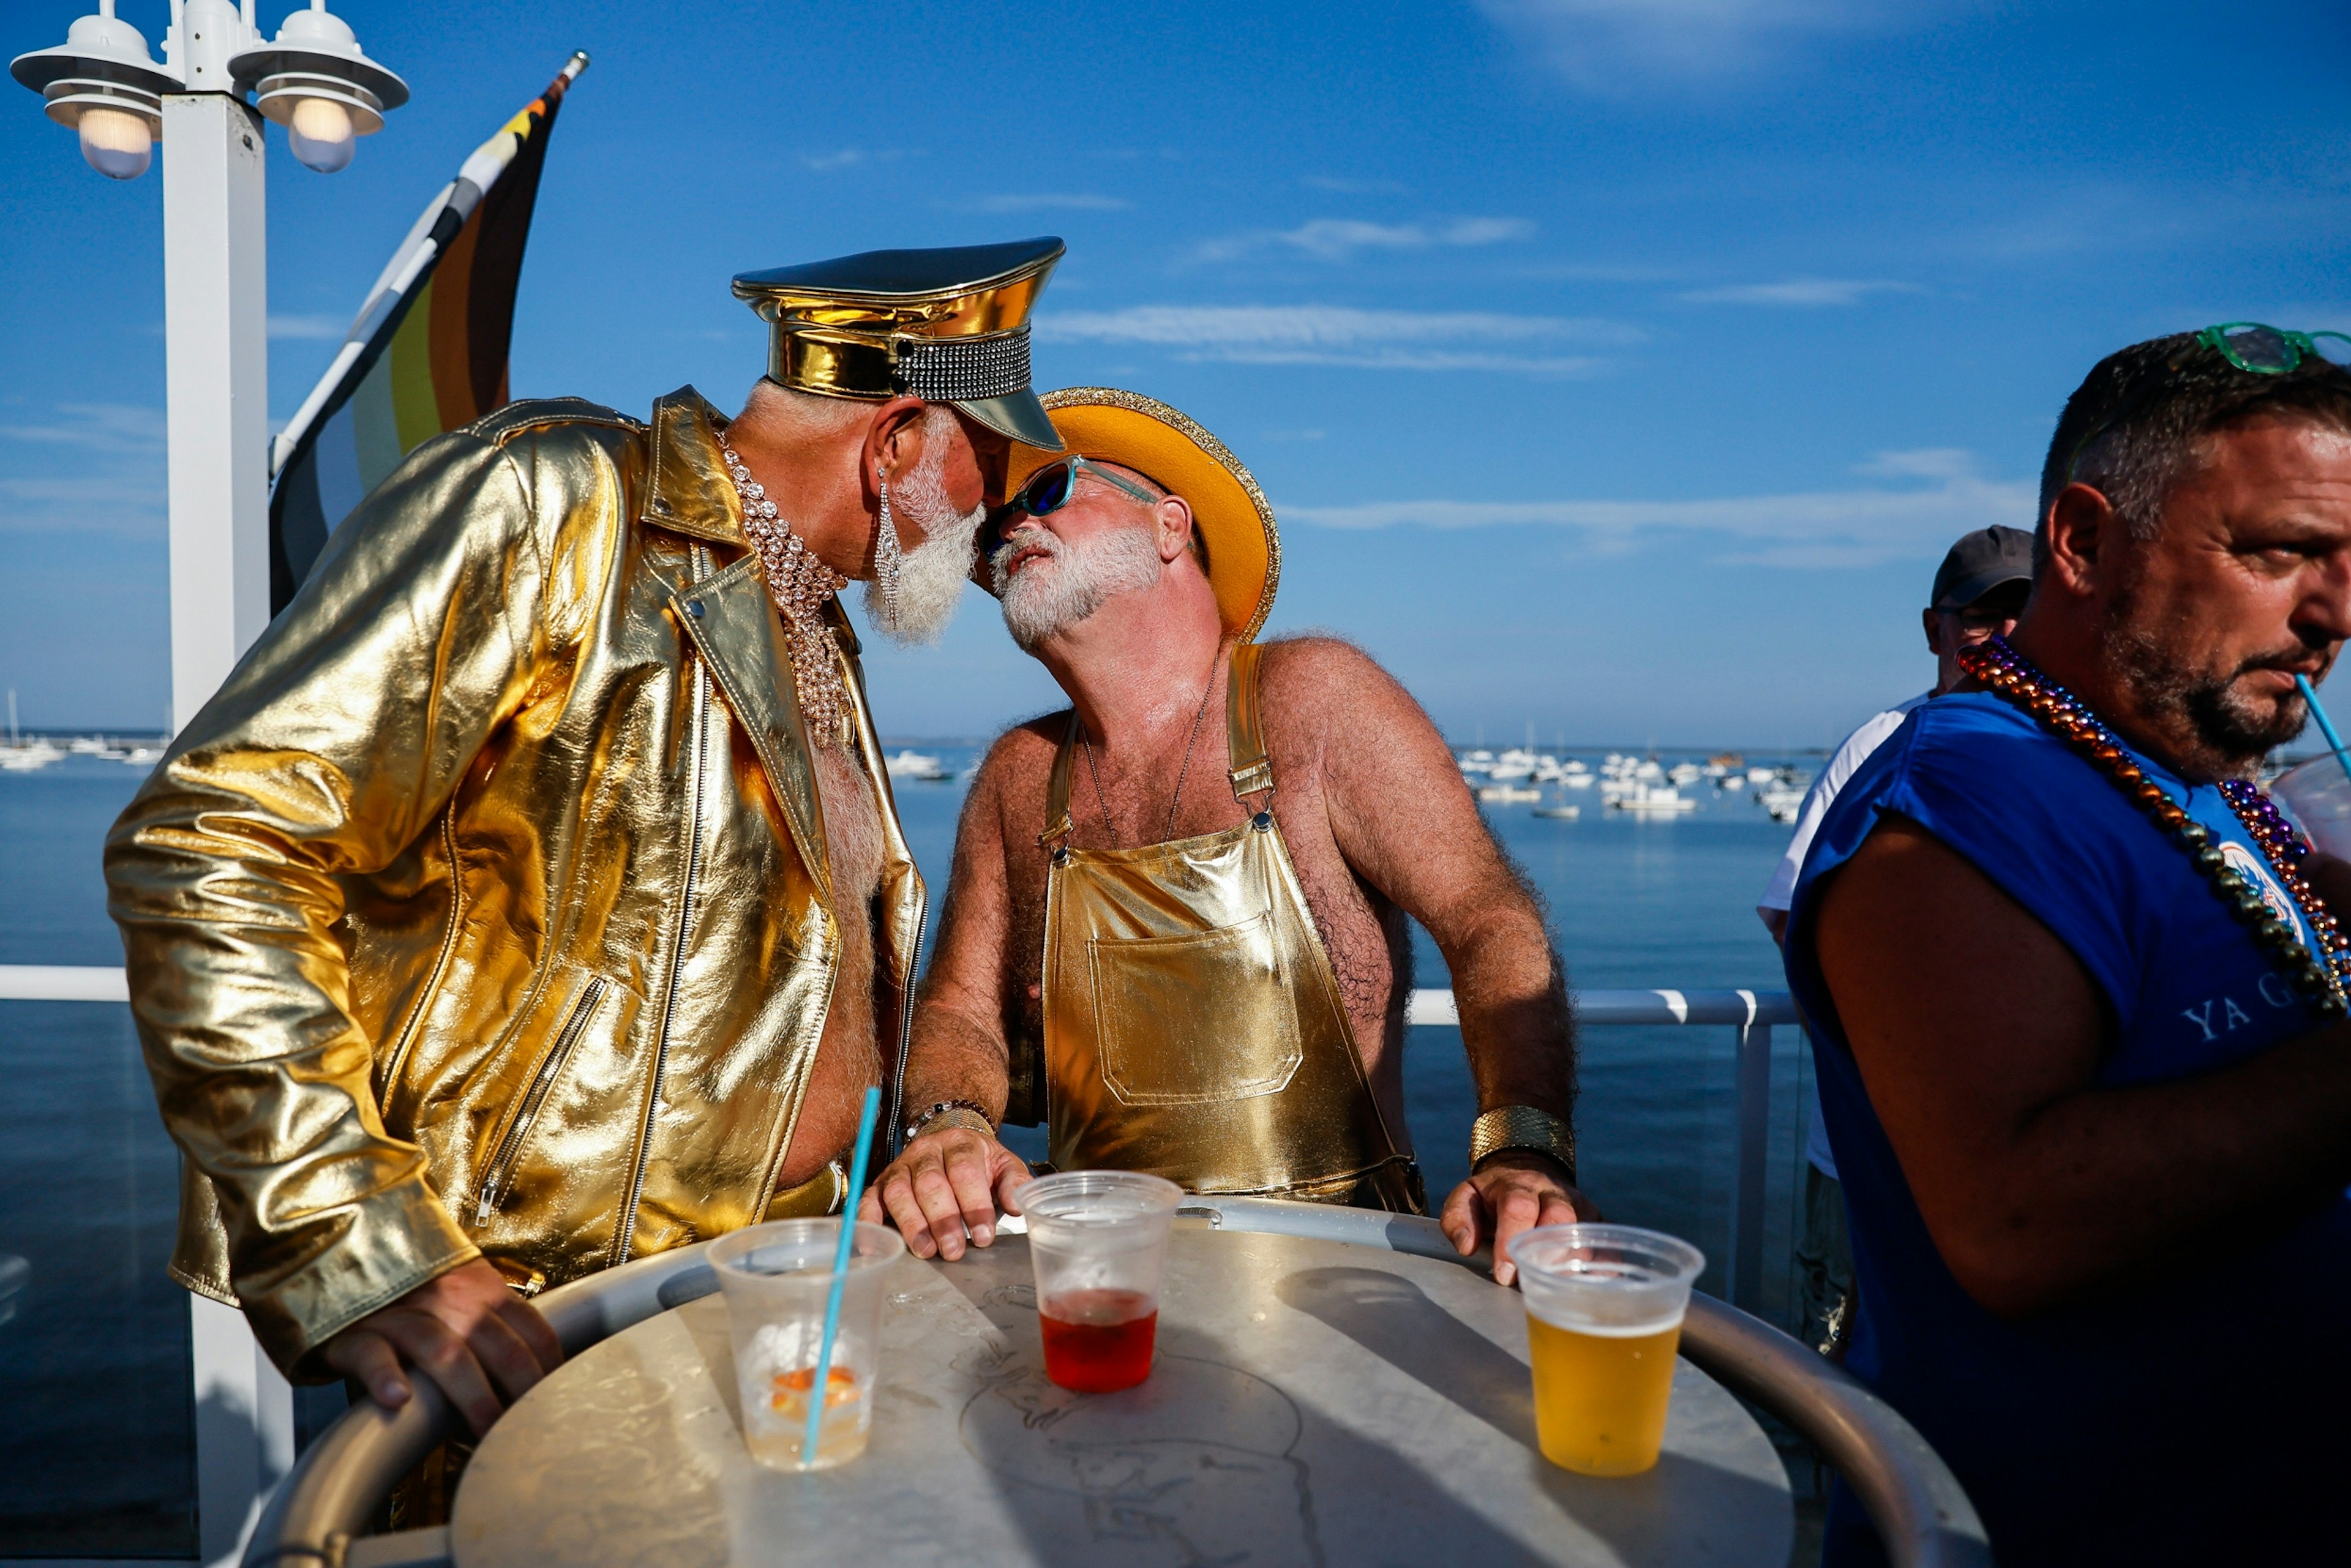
point(1160, 1045)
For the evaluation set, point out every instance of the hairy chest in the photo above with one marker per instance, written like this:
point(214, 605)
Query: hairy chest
point(853, 835)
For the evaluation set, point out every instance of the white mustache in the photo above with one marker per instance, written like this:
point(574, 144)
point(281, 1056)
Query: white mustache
point(1000, 562)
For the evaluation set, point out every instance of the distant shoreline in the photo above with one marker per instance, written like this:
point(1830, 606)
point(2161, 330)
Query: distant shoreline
point(896, 742)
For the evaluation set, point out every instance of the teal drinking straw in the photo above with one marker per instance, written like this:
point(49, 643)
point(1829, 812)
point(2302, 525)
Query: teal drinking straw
point(822, 1386)
point(2333, 741)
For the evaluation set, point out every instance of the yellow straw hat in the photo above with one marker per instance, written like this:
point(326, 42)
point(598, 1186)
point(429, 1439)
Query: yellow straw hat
point(1235, 519)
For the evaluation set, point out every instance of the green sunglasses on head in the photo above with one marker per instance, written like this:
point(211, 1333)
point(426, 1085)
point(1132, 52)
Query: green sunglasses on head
point(2254, 347)
point(2273, 350)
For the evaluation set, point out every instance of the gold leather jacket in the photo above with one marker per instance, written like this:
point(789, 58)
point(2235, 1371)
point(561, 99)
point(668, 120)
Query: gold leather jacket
point(486, 908)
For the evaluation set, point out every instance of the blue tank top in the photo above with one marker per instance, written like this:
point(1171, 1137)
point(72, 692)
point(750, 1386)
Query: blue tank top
point(2203, 1417)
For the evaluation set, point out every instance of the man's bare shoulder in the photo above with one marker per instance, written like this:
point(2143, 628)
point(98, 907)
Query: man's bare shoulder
point(1318, 678)
point(1901, 862)
point(1018, 758)
point(1318, 656)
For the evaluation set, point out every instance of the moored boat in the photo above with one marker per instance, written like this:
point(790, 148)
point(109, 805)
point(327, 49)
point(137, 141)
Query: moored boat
point(1655, 799)
point(917, 766)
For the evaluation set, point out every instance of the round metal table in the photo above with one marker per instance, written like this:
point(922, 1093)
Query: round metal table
point(1312, 1402)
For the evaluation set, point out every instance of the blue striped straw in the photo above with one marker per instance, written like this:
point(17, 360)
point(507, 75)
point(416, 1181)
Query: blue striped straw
point(822, 1386)
point(2326, 728)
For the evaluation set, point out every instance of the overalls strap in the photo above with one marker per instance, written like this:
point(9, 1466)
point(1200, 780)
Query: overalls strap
point(1057, 791)
point(1252, 770)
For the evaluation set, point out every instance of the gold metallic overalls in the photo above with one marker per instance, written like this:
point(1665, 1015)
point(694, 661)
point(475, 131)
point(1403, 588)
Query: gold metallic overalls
point(1193, 1026)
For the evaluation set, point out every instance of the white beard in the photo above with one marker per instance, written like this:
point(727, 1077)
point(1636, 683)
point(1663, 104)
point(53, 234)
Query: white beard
point(1048, 597)
point(931, 575)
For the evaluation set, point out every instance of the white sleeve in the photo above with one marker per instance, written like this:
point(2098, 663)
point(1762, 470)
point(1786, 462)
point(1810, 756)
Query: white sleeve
point(1781, 890)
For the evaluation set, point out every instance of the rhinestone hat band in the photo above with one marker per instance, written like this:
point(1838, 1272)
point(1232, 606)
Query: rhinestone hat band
point(800, 584)
point(964, 370)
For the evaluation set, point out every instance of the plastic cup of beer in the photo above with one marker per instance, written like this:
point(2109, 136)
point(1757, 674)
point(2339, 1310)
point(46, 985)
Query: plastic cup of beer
point(777, 1278)
point(1605, 1305)
point(1099, 1242)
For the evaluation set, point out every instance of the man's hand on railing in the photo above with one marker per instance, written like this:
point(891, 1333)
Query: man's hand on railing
point(944, 1186)
point(481, 1345)
point(1516, 1190)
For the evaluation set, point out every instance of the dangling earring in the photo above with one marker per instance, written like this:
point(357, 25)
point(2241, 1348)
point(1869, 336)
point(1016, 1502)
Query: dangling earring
point(887, 556)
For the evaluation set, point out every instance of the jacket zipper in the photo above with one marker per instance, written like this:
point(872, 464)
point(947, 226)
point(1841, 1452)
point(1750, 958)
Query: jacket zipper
point(502, 1164)
point(895, 1134)
point(677, 961)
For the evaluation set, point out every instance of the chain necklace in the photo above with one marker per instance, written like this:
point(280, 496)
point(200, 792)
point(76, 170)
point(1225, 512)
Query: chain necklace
point(801, 586)
point(1095, 773)
point(2323, 979)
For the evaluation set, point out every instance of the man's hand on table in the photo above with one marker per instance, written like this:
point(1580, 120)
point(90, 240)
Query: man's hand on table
point(1516, 1191)
point(480, 1344)
point(944, 1186)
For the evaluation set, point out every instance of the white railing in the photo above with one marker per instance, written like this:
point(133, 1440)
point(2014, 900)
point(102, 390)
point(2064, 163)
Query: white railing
point(236, 1469)
point(1751, 1014)
point(61, 983)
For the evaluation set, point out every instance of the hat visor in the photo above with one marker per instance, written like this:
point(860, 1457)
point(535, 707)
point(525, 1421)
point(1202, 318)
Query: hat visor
point(1018, 415)
point(1961, 595)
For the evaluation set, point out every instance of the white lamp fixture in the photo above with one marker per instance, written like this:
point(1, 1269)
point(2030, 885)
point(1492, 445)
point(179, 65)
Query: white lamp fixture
point(103, 83)
point(314, 80)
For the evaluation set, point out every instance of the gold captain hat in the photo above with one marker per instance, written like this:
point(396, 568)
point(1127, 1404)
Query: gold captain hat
point(946, 325)
point(1235, 519)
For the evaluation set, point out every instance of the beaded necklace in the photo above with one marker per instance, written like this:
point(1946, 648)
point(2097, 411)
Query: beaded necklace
point(800, 584)
point(2007, 674)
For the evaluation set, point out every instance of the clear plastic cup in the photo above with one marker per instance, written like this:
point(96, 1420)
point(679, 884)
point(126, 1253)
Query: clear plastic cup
point(2316, 795)
point(776, 1278)
point(1605, 1306)
point(1099, 1242)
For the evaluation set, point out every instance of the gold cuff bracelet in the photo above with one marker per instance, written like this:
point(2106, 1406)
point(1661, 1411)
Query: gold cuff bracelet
point(1522, 1127)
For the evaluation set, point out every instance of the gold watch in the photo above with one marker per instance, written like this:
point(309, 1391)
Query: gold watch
point(1522, 1127)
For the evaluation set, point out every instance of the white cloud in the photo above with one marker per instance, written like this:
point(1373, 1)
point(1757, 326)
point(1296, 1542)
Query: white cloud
point(1044, 202)
point(115, 505)
point(1936, 495)
point(99, 472)
point(1342, 335)
point(1615, 46)
point(1338, 239)
point(855, 158)
point(123, 428)
point(1353, 187)
point(329, 328)
point(1800, 292)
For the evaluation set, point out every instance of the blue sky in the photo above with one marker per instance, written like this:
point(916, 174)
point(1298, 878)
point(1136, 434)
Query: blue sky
point(1621, 367)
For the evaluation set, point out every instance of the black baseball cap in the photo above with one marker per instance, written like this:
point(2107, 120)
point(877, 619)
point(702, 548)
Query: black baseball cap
point(1982, 562)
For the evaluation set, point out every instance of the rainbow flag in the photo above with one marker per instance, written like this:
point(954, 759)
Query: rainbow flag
point(428, 350)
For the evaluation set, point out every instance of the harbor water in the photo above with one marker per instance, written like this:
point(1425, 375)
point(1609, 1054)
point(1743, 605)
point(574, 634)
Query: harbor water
point(96, 1446)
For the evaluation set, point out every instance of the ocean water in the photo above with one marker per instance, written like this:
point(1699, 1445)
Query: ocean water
point(96, 1430)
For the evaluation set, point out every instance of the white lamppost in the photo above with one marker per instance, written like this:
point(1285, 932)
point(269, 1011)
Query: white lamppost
point(313, 80)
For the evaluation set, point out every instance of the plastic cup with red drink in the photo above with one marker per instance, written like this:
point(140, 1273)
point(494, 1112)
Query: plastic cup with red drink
point(1099, 1243)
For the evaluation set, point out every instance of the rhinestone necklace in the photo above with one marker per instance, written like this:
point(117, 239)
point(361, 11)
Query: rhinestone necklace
point(800, 584)
point(2007, 674)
